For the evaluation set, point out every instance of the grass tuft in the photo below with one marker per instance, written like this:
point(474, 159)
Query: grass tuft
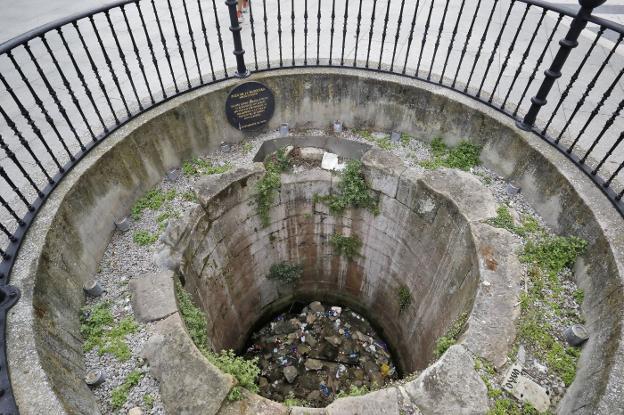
point(452, 334)
point(349, 246)
point(285, 272)
point(100, 332)
point(463, 157)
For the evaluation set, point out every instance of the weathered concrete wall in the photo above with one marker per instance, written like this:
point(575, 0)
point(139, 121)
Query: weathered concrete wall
point(71, 232)
point(429, 250)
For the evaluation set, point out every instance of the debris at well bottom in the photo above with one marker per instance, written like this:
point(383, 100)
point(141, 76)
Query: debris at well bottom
point(317, 353)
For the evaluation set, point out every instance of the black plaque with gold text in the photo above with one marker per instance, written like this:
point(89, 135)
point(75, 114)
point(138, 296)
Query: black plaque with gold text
point(249, 106)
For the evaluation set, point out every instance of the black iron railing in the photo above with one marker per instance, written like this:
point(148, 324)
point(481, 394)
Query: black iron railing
point(65, 86)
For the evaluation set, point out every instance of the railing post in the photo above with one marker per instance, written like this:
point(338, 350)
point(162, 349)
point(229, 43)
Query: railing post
point(239, 52)
point(565, 47)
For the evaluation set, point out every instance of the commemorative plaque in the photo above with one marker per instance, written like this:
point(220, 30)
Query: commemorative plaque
point(249, 106)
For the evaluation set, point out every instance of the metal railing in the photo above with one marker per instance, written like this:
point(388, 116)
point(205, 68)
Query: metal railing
point(65, 86)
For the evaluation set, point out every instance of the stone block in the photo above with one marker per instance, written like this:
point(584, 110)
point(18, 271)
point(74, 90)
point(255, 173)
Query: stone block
point(449, 386)
point(153, 296)
point(383, 401)
point(382, 170)
point(189, 384)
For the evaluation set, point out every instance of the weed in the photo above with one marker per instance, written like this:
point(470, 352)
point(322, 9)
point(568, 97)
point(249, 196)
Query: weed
point(382, 142)
point(119, 395)
point(99, 330)
point(246, 147)
point(452, 334)
point(269, 183)
point(463, 157)
point(198, 166)
point(168, 214)
point(404, 296)
point(405, 139)
point(579, 296)
point(553, 253)
point(285, 272)
point(152, 200)
point(148, 400)
point(189, 196)
point(291, 400)
point(352, 191)
point(193, 317)
point(349, 246)
point(503, 219)
point(353, 391)
point(144, 238)
point(245, 371)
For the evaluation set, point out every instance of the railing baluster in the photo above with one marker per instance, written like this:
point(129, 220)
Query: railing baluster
point(166, 50)
point(11, 238)
point(176, 34)
point(450, 48)
point(437, 42)
point(357, 33)
point(69, 90)
point(344, 32)
point(495, 49)
point(219, 38)
point(292, 29)
point(411, 37)
point(30, 122)
point(525, 55)
point(135, 48)
point(590, 86)
point(11, 155)
point(595, 111)
point(318, 33)
point(538, 63)
point(193, 45)
point(509, 52)
point(110, 66)
point(39, 103)
point(305, 33)
point(620, 167)
point(331, 30)
point(206, 42)
point(150, 46)
point(370, 33)
point(465, 47)
point(397, 34)
point(57, 101)
point(11, 211)
point(13, 187)
point(383, 33)
point(96, 72)
point(122, 56)
point(607, 125)
point(82, 81)
point(266, 34)
point(573, 79)
point(253, 34)
point(424, 38)
point(480, 48)
point(279, 31)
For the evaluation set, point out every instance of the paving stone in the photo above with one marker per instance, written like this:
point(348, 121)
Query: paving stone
point(153, 296)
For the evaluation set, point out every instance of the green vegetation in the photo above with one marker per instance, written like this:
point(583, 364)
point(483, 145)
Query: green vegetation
point(144, 238)
point(405, 139)
point(528, 224)
point(285, 272)
point(404, 297)
point(503, 219)
point(189, 196)
point(382, 142)
point(196, 167)
point(352, 191)
point(99, 330)
point(245, 371)
point(452, 334)
point(463, 157)
point(152, 200)
point(291, 400)
point(353, 391)
point(506, 406)
point(148, 400)
point(119, 395)
point(246, 147)
point(270, 182)
point(349, 246)
point(553, 253)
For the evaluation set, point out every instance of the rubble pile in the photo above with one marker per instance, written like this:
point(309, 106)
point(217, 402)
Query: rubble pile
point(314, 355)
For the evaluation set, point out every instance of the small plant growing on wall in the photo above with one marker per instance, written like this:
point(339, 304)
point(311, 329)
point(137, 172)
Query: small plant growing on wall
point(404, 297)
point(270, 182)
point(285, 272)
point(353, 192)
point(349, 246)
